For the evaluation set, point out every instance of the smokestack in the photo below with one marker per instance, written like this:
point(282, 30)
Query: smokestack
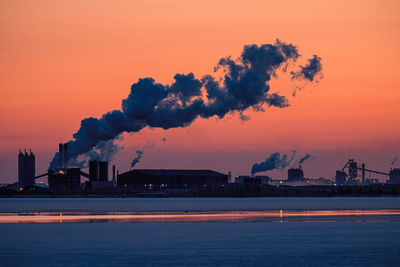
point(65, 155)
point(60, 156)
point(113, 172)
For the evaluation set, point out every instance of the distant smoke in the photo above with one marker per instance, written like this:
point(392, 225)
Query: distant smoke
point(394, 160)
point(140, 152)
point(274, 161)
point(245, 85)
point(303, 159)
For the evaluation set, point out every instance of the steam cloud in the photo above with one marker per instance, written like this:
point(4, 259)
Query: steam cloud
point(394, 160)
point(244, 85)
point(274, 161)
point(104, 151)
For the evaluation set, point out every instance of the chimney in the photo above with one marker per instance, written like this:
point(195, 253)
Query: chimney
point(65, 155)
point(60, 156)
point(113, 172)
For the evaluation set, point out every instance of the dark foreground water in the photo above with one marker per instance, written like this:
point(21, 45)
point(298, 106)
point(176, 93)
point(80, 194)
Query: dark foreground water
point(328, 231)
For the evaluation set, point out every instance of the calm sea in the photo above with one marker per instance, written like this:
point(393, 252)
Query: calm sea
point(200, 231)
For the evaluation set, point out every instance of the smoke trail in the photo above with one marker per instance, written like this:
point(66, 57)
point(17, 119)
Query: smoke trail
point(394, 160)
point(140, 152)
point(274, 161)
point(245, 85)
point(303, 159)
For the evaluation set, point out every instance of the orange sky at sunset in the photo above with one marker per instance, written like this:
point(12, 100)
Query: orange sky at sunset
point(63, 61)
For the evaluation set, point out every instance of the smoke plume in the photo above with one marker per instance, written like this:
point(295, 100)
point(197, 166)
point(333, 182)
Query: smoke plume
point(244, 85)
point(394, 160)
point(303, 159)
point(140, 152)
point(274, 161)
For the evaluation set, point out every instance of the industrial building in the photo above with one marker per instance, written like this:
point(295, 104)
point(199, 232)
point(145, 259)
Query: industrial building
point(98, 170)
point(62, 177)
point(340, 178)
point(158, 180)
point(68, 179)
point(394, 176)
point(295, 175)
point(259, 179)
point(26, 169)
point(352, 177)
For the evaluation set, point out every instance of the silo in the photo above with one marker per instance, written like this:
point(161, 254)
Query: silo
point(103, 170)
point(20, 168)
point(93, 170)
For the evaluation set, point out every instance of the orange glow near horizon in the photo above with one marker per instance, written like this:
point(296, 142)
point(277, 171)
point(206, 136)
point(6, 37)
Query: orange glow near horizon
point(316, 215)
point(63, 61)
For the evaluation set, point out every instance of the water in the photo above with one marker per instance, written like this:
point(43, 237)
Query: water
point(335, 238)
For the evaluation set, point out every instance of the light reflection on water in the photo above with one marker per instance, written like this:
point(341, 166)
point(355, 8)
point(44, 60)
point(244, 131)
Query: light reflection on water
point(379, 215)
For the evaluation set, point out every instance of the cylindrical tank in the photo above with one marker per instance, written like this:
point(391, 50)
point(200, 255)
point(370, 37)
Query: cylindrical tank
point(103, 170)
point(93, 170)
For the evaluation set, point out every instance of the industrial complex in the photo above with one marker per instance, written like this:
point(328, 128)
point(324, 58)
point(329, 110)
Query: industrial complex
point(65, 179)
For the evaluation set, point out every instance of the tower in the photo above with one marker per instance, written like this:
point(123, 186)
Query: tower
point(26, 169)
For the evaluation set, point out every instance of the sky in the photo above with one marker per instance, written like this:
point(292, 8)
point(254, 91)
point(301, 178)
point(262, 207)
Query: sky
point(63, 61)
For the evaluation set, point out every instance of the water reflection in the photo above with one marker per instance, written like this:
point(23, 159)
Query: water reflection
point(214, 216)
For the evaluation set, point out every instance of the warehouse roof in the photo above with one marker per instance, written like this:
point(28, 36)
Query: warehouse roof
point(163, 172)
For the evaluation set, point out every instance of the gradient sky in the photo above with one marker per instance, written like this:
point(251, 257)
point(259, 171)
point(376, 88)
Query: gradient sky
point(62, 61)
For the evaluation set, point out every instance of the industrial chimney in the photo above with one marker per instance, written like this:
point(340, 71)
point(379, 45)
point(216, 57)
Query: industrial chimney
point(65, 155)
point(60, 156)
point(113, 170)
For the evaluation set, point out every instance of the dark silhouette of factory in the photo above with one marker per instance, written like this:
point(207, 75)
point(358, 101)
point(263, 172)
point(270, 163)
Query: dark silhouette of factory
point(351, 177)
point(26, 169)
point(65, 179)
point(156, 180)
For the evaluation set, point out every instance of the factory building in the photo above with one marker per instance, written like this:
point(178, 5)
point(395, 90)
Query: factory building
point(353, 173)
point(259, 179)
point(26, 169)
point(394, 176)
point(340, 177)
point(158, 180)
point(98, 170)
point(62, 177)
point(68, 179)
point(98, 175)
point(295, 174)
